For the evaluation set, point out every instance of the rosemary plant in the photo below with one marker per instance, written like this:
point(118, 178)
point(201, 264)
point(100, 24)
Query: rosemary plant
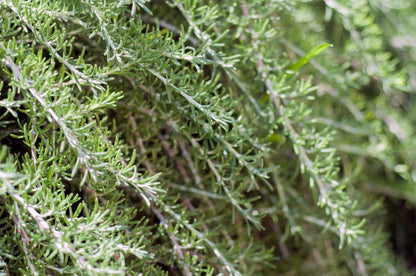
point(190, 137)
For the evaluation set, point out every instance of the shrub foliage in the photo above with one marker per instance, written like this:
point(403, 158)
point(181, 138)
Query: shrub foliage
point(204, 137)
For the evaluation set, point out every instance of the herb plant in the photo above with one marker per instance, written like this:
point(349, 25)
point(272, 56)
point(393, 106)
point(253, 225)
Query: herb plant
point(190, 137)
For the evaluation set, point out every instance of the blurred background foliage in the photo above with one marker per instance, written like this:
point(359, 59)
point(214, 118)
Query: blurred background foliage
point(366, 91)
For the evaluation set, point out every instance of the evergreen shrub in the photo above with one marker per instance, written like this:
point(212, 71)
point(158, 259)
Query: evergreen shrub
point(189, 137)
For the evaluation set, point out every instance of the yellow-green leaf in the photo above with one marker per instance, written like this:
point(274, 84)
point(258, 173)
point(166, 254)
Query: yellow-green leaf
point(305, 59)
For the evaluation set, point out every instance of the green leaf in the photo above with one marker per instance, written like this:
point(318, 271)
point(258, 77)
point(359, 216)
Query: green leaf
point(306, 58)
point(274, 137)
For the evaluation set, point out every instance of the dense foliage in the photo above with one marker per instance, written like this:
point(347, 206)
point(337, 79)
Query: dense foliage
point(191, 137)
